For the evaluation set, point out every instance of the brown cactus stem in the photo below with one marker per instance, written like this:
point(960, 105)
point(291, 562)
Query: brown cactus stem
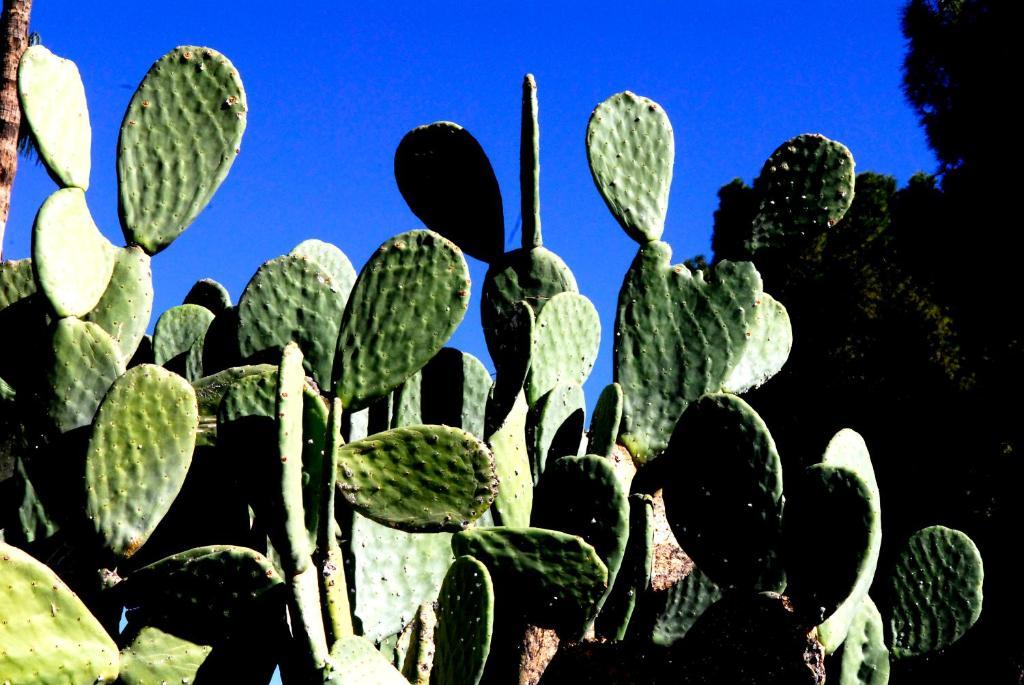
point(14, 28)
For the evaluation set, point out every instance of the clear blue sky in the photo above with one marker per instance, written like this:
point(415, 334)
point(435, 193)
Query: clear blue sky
point(334, 86)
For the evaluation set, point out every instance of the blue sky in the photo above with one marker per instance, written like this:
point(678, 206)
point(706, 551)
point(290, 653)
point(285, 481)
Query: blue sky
point(333, 88)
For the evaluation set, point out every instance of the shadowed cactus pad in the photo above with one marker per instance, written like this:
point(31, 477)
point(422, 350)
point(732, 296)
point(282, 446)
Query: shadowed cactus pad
point(419, 479)
point(805, 187)
point(935, 591)
point(447, 181)
point(631, 151)
point(53, 101)
point(465, 622)
point(723, 497)
point(180, 135)
point(355, 661)
point(47, 635)
point(138, 455)
point(550, 578)
point(409, 298)
point(208, 293)
point(73, 261)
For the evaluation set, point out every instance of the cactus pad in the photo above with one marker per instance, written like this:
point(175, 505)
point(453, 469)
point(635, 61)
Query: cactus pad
point(631, 151)
point(529, 166)
point(723, 497)
point(331, 260)
point(551, 579)
point(84, 363)
point(419, 479)
point(935, 591)
point(682, 606)
point(409, 298)
point(154, 657)
point(394, 573)
point(566, 338)
point(177, 330)
point(805, 187)
point(677, 338)
point(463, 408)
point(583, 496)
point(865, 659)
point(53, 101)
point(465, 623)
point(73, 261)
point(447, 181)
point(180, 135)
point(291, 298)
point(770, 338)
point(634, 577)
point(125, 307)
point(604, 425)
point(47, 635)
point(355, 661)
point(514, 500)
point(554, 426)
point(834, 508)
point(184, 593)
point(138, 455)
point(208, 293)
point(848, 450)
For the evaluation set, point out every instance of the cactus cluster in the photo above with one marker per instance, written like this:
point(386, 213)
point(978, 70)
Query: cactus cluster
point(309, 480)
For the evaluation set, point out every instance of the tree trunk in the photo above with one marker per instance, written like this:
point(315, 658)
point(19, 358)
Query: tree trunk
point(14, 34)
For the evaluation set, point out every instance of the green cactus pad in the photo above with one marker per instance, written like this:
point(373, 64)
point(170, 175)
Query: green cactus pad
point(631, 150)
point(208, 293)
point(291, 298)
point(865, 659)
point(177, 330)
point(355, 661)
point(681, 605)
point(514, 501)
point(407, 403)
point(331, 261)
point(180, 135)
point(73, 261)
point(138, 455)
point(934, 592)
point(723, 493)
point(419, 479)
point(529, 166)
point(16, 281)
point(770, 338)
point(394, 573)
point(53, 102)
point(848, 450)
point(47, 635)
point(154, 657)
point(833, 507)
point(185, 592)
point(551, 579)
point(210, 391)
point(418, 660)
point(84, 363)
point(125, 307)
point(465, 623)
point(604, 425)
point(409, 298)
point(677, 338)
point(805, 187)
point(554, 426)
point(532, 276)
point(447, 181)
point(566, 339)
point(583, 496)
point(634, 577)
